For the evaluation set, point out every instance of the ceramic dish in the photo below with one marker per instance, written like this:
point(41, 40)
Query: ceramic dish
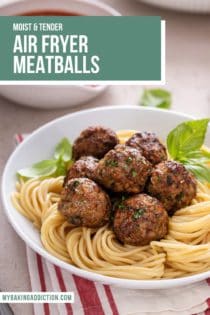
point(49, 97)
point(40, 144)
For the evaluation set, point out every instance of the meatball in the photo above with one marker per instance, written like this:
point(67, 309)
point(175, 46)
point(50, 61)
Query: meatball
point(84, 203)
point(95, 141)
point(123, 169)
point(140, 219)
point(149, 145)
point(173, 185)
point(84, 167)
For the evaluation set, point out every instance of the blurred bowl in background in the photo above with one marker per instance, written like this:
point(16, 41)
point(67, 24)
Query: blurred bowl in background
point(196, 6)
point(53, 96)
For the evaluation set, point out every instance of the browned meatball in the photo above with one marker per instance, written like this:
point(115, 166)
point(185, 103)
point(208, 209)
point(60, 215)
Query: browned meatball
point(84, 167)
point(173, 185)
point(149, 145)
point(140, 219)
point(95, 141)
point(84, 203)
point(123, 169)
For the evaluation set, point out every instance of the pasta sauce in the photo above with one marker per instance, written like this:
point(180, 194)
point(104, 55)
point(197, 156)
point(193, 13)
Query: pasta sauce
point(50, 13)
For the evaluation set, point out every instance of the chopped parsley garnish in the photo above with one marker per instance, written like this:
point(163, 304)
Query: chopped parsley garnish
point(134, 173)
point(138, 213)
point(75, 184)
point(180, 196)
point(111, 163)
point(129, 160)
point(121, 204)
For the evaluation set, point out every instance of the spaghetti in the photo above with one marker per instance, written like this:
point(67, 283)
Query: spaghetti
point(184, 251)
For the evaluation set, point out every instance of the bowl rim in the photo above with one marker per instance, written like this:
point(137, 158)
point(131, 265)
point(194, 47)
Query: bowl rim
point(106, 7)
point(190, 6)
point(120, 282)
point(87, 87)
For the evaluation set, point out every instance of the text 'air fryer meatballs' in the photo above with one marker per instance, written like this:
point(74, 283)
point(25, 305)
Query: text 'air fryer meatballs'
point(84, 167)
point(173, 185)
point(149, 145)
point(84, 203)
point(123, 169)
point(95, 141)
point(140, 219)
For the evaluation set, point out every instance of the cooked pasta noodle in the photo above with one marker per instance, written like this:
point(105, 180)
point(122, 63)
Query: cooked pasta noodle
point(184, 251)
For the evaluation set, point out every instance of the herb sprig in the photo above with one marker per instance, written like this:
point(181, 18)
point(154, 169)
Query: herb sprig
point(159, 98)
point(185, 145)
point(54, 167)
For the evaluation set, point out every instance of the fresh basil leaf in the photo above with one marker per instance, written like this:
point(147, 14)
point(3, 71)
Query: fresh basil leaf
point(205, 152)
point(41, 169)
point(156, 98)
point(195, 156)
point(186, 137)
point(201, 171)
point(61, 169)
point(174, 140)
point(63, 150)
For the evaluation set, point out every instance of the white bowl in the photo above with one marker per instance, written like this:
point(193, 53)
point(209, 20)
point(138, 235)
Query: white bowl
point(40, 145)
point(49, 97)
point(197, 6)
point(53, 96)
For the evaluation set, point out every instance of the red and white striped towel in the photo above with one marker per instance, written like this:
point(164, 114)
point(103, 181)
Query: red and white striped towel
point(97, 299)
